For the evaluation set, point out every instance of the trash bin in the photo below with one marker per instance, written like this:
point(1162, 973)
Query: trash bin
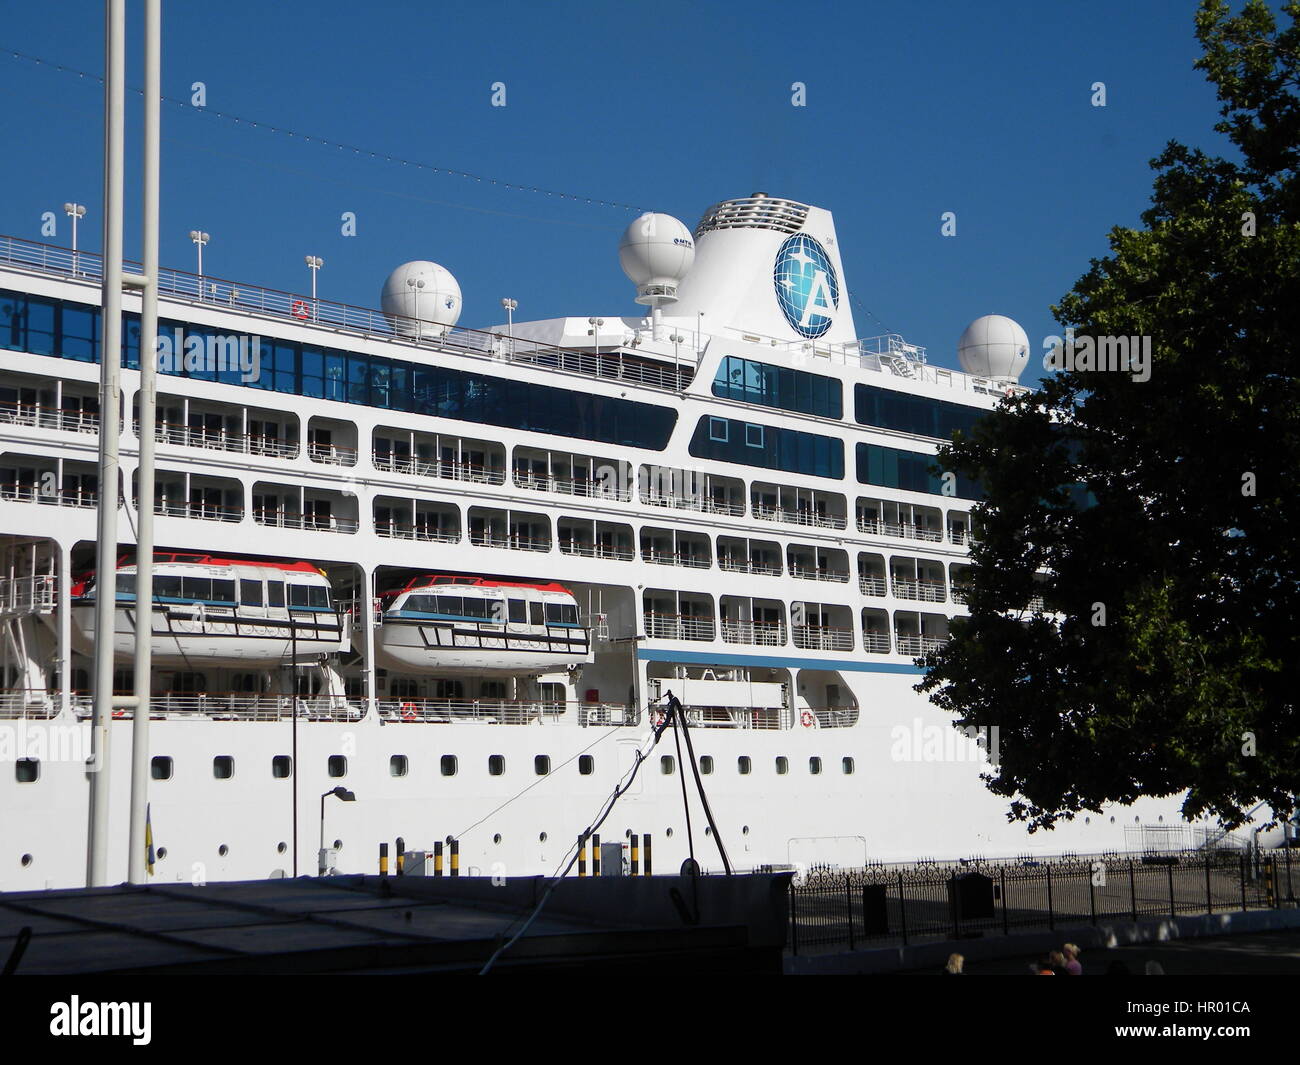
point(971, 896)
point(875, 913)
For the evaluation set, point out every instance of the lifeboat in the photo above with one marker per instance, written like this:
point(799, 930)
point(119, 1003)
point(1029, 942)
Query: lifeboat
point(445, 624)
point(221, 611)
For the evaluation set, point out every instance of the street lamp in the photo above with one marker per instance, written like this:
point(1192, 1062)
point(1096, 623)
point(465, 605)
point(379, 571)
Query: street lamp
point(199, 238)
point(74, 211)
point(511, 306)
point(415, 284)
point(314, 263)
point(346, 796)
point(594, 331)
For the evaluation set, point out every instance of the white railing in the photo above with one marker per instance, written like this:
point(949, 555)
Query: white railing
point(678, 627)
point(899, 530)
point(332, 454)
point(919, 645)
point(235, 706)
point(504, 711)
point(572, 547)
point(509, 543)
point(799, 516)
point(447, 470)
point(958, 593)
point(877, 643)
point(36, 704)
point(835, 716)
point(735, 717)
point(822, 638)
point(811, 573)
point(198, 511)
point(669, 558)
point(764, 633)
point(73, 419)
point(35, 594)
point(927, 591)
point(430, 533)
point(292, 519)
point(584, 487)
point(242, 443)
point(31, 493)
point(702, 503)
point(872, 585)
point(742, 565)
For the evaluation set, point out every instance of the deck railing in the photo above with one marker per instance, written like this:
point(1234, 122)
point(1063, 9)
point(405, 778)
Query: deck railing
point(71, 419)
point(678, 627)
point(822, 638)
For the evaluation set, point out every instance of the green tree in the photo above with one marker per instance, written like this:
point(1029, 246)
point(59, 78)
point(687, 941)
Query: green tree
point(1167, 658)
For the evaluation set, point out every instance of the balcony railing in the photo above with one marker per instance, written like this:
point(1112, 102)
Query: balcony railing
point(925, 590)
point(430, 533)
point(899, 530)
point(198, 511)
point(292, 519)
point(822, 638)
point(585, 487)
point(72, 419)
point(799, 516)
point(30, 703)
point(235, 706)
point(675, 558)
point(919, 645)
point(59, 497)
point(573, 547)
point(446, 469)
point(678, 627)
point(504, 711)
point(875, 641)
point(762, 633)
point(739, 717)
point(703, 503)
point(872, 585)
point(35, 594)
point(332, 454)
point(510, 543)
point(242, 443)
point(812, 573)
point(743, 565)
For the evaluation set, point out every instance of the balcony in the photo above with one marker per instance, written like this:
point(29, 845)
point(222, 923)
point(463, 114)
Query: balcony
point(509, 542)
point(447, 469)
point(72, 419)
point(32, 493)
point(871, 585)
point(576, 547)
point(808, 573)
point(822, 638)
point(898, 530)
point(199, 511)
point(503, 711)
point(181, 435)
point(678, 627)
point(744, 565)
point(292, 519)
point(915, 646)
point(801, 516)
point(925, 590)
point(875, 642)
point(424, 531)
point(332, 454)
point(761, 633)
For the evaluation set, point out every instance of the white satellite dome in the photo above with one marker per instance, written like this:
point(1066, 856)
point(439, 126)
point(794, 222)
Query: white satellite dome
point(422, 291)
point(656, 252)
point(994, 346)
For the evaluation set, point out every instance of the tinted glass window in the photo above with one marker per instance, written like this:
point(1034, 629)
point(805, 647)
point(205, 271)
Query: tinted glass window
point(771, 448)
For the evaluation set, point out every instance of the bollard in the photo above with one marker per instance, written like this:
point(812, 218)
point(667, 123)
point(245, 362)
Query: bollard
point(455, 857)
point(437, 858)
point(383, 859)
point(582, 854)
point(645, 843)
point(595, 854)
point(401, 856)
point(636, 854)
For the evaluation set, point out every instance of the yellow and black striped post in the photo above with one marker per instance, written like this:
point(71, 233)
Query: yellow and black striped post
point(401, 856)
point(455, 857)
point(383, 859)
point(636, 855)
point(437, 858)
point(645, 843)
point(582, 854)
point(595, 854)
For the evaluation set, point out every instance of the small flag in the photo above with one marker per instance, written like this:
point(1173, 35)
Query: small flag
point(148, 837)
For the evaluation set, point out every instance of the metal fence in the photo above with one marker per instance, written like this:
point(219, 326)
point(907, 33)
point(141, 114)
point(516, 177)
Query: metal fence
point(883, 905)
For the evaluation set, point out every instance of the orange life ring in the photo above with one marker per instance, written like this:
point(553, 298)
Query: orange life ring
point(119, 714)
point(409, 712)
point(806, 719)
point(299, 309)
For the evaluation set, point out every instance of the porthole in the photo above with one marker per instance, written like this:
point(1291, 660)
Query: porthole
point(448, 763)
point(846, 764)
point(496, 764)
point(223, 766)
point(782, 765)
point(586, 765)
point(338, 765)
point(161, 853)
point(743, 764)
point(708, 831)
point(161, 767)
point(744, 830)
point(27, 770)
point(666, 765)
point(398, 765)
point(338, 844)
point(541, 837)
point(706, 764)
point(26, 860)
point(281, 847)
point(223, 850)
point(497, 838)
point(668, 832)
point(282, 767)
point(542, 764)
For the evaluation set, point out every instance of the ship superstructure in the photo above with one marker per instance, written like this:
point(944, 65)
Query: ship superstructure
point(458, 571)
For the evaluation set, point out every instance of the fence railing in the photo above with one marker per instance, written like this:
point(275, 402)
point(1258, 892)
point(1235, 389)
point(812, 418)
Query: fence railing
point(882, 905)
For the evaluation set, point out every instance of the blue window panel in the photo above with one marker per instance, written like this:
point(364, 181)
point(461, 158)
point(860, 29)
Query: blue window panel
point(890, 467)
point(753, 435)
point(919, 415)
point(41, 333)
point(79, 333)
point(767, 447)
point(780, 387)
point(718, 430)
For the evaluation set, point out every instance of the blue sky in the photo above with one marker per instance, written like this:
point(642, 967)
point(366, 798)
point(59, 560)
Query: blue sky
point(912, 110)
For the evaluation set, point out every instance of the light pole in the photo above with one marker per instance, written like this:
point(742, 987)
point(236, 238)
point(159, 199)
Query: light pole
point(314, 263)
point(74, 211)
point(415, 284)
point(511, 306)
point(346, 796)
point(594, 331)
point(676, 338)
point(199, 238)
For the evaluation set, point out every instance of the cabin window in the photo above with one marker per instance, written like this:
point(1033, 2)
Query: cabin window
point(223, 766)
point(398, 765)
point(448, 765)
point(250, 593)
point(814, 765)
point(196, 588)
point(753, 435)
point(846, 763)
point(275, 593)
point(126, 584)
point(718, 429)
point(561, 614)
point(666, 765)
point(542, 764)
point(782, 765)
point(338, 765)
point(282, 767)
point(27, 770)
point(586, 765)
point(535, 614)
point(706, 763)
point(161, 767)
point(744, 764)
point(166, 587)
point(518, 612)
point(496, 764)
point(223, 591)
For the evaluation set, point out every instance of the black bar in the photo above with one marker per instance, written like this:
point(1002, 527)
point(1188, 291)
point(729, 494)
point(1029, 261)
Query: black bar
point(595, 854)
point(1173, 906)
point(1051, 913)
point(1209, 899)
point(645, 844)
point(902, 909)
point(1132, 891)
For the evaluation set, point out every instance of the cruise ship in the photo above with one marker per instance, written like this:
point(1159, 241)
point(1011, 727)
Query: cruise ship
point(458, 574)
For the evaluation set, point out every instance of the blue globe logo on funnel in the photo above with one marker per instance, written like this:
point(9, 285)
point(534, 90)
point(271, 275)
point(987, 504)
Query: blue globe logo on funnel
point(806, 286)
